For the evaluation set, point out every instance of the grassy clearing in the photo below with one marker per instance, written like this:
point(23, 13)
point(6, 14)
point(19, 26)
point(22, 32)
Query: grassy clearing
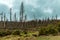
point(12, 37)
point(48, 38)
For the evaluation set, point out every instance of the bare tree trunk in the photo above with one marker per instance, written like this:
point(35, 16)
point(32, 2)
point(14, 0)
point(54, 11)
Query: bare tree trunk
point(15, 18)
point(10, 14)
point(4, 21)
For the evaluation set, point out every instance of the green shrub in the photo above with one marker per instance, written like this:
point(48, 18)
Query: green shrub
point(5, 33)
point(8, 32)
point(49, 30)
point(53, 30)
point(58, 27)
point(42, 31)
point(34, 35)
point(16, 32)
point(2, 33)
point(25, 32)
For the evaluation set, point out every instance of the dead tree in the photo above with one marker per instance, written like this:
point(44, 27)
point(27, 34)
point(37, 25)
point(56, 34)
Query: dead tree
point(21, 14)
point(4, 21)
point(56, 17)
point(43, 21)
point(35, 21)
point(10, 14)
point(15, 17)
point(48, 19)
point(1, 16)
point(25, 20)
point(52, 18)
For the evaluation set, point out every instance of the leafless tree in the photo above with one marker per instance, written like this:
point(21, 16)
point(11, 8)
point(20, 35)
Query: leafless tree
point(52, 18)
point(4, 20)
point(25, 18)
point(10, 14)
point(56, 17)
point(35, 20)
point(15, 17)
point(1, 16)
point(48, 19)
point(21, 12)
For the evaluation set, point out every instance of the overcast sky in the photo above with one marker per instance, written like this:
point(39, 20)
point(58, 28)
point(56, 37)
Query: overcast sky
point(40, 8)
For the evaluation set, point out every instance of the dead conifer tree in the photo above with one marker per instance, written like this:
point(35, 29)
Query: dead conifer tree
point(15, 17)
point(52, 18)
point(25, 20)
point(21, 14)
point(56, 17)
point(2, 16)
point(10, 14)
point(48, 19)
point(4, 21)
point(35, 21)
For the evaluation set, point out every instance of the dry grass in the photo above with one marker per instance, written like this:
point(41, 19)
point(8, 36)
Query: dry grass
point(11, 37)
point(48, 38)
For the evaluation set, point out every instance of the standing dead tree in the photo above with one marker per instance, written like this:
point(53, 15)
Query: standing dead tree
point(35, 21)
point(1, 16)
point(56, 17)
point(52, 18)
point(4, 21)
point(10, 14)
point(25, 21)
point(15, 17)
point(25, 18)
point(21, 14)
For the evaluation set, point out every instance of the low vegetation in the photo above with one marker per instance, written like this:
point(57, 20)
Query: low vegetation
point(39, 34)
point(49, 30)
